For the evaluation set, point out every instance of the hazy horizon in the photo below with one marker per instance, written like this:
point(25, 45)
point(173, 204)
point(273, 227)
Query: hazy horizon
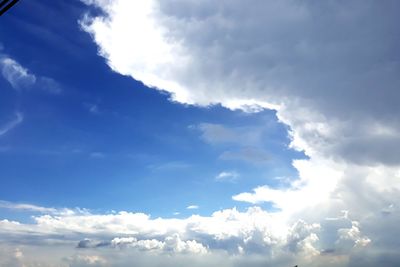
point(200, 133)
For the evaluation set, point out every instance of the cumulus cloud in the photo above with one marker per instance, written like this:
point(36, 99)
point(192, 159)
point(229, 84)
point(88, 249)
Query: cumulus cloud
point(235, 235)
point(330, 70)
point(334, 88)
point(170, 244)
point(21, 78)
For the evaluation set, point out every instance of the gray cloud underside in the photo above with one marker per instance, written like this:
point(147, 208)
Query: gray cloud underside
point(330, 69)
point(330, 66)
point(252, 238)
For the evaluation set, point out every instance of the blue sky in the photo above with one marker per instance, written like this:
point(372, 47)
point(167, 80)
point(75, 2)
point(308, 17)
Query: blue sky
point(106, 142)
point(262, 134)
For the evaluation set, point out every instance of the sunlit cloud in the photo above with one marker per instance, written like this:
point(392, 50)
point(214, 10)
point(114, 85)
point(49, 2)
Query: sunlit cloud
point(230, 176)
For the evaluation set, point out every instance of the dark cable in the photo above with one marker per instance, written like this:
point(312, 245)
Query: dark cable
point(3, 3)
point(8, 6)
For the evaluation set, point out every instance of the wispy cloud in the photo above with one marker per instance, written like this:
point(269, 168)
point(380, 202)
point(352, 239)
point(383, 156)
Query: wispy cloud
point(192, 207)
point(248, 154)
point(92, 108)
point(170, 166)
point(18, 76)
point(213, 133)
point(229, 176)
point(11, 124)
point(26, 207)
point(21, 78)
point(245, 143)
point(49, 85)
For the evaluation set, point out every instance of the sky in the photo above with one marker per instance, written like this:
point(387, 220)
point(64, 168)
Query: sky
point(200, 133)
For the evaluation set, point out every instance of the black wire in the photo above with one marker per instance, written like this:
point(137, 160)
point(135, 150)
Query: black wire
point(8, 6)
point(3, 3)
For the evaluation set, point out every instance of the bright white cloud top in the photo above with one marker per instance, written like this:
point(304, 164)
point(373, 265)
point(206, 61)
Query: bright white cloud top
point(330, 70)
point(323, 66)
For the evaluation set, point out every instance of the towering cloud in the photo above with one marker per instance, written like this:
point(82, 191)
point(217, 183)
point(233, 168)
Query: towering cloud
point(330, 70)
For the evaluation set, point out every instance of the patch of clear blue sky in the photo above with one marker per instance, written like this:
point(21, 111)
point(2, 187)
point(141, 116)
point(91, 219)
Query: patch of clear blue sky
point(107, 142)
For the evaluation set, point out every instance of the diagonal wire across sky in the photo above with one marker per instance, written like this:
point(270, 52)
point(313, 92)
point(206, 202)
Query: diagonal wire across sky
point(5, 5)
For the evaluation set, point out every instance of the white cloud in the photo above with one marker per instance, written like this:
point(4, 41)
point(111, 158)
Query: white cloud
point(11, 124)
point(317, 181)
point(323, 84)
point(172, 244)
point(15, 74)
point(192, 207)
point(240, 238)
point(25, 207)
point(329, 70)
point(255, 231)
point(227, 176)
point(21, 78)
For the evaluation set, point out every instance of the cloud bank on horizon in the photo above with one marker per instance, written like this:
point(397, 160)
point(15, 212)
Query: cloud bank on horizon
point(329, 69)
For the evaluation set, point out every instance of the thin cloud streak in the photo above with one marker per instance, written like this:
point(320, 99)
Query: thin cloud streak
point(25, 207)
point(20, 78)
point(11, 124)
point(230, 176)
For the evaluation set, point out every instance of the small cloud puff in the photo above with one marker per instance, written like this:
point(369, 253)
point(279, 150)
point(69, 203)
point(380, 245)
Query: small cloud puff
point(230, 176)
